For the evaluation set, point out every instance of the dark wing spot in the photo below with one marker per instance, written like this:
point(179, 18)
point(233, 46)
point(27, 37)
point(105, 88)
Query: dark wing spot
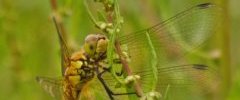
point(200, 67)
point(205, 5)
point(37, 78)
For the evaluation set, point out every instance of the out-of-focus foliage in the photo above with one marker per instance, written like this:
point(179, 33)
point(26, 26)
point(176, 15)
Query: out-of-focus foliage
point(29, 45)
point(235, 48)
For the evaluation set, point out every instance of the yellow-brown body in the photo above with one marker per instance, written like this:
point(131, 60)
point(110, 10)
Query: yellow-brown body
point(81, 68)
point(76, 75)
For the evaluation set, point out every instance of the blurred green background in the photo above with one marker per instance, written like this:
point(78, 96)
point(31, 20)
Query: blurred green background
point(29, 44)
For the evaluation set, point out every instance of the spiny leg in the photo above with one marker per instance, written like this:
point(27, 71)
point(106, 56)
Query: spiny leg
point(110, 93)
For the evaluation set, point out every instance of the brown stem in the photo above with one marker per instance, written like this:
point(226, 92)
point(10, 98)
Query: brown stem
point(54, 5)
point(126, 68)
point(123, 61)
point(58, 17)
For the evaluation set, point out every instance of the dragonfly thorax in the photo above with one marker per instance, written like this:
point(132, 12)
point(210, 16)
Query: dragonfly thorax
point(80, 68)
point(77, 74)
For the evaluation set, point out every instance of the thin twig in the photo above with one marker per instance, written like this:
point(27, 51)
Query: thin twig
point(58, 19)
point(54, 5)
point(127, 69)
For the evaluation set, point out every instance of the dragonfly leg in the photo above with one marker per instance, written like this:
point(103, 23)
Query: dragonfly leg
point(117, 73)
point(120, 73)
point(110, 93)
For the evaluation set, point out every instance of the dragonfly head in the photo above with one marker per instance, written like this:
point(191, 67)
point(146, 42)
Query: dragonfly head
point(95, 45)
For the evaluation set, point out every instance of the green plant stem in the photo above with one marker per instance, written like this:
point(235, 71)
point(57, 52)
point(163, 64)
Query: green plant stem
point(224, 39)
point(153, 62)
point(90, 14)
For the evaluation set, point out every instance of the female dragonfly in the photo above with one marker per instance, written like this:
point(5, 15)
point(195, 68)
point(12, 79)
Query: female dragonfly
point(85, 72)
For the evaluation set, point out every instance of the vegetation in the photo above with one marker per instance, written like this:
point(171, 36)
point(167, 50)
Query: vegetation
point(29, 44)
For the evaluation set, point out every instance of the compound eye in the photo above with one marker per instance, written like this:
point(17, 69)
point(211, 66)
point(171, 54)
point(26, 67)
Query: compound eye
point(102, 46)
point(91, 47)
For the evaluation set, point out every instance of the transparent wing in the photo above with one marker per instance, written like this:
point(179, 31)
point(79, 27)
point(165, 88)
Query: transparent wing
point(183, 77)
point(172, 39)
point(51, 86)
point(65, 53)
point(92, 90)
point(178, 82)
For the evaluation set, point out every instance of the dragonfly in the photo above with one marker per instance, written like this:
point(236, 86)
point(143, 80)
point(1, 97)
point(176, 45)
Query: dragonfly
point(85, 72)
